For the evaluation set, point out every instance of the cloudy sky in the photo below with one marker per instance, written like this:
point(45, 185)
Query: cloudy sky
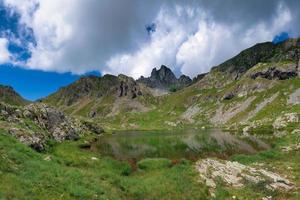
point(134, 36)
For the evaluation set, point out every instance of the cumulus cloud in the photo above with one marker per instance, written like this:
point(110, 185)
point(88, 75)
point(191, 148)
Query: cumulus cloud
point(112, 36)
point(192, 40)
point(215, 42)
point(4, 53)
point(79, 36)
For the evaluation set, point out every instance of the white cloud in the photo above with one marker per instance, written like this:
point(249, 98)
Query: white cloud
point(109, 36)
point(160, 50)
point(4, 53)
point(196, 43)
point(213, 43)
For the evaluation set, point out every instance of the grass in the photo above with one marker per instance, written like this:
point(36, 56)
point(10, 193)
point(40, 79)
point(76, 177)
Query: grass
point(72, 174)
point(284, 163)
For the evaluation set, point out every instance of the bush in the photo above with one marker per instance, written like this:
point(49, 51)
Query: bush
point(126, 170)
point(173, 88)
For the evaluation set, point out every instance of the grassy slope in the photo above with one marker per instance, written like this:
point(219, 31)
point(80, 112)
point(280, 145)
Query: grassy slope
point(72, 174)
point(171, 107)
point(9, 96)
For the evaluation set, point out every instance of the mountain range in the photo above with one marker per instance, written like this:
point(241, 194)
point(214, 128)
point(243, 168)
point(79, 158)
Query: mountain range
point(255, 86)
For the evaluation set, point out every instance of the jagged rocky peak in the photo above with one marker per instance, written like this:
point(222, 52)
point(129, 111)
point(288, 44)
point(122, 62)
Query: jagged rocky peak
point(164, 78)
point(10, 96)
point(164, 75)
point(184, 80)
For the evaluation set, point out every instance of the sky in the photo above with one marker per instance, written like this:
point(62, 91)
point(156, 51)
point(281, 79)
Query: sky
point(46, 44)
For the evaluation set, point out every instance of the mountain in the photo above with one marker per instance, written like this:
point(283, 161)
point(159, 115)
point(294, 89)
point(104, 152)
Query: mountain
point(34, 124)
point(109, 95)
point(239, 91)
point(165, 79)
point(252, 88)
point(263, 52)
point(10, 96)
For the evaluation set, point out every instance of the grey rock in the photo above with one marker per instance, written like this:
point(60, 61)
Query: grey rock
point(275, 73)
point(228, 96)
point(235, 175)
point(45, 123)
point(164, 78)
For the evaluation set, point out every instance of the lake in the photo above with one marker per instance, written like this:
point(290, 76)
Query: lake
point(189, 144)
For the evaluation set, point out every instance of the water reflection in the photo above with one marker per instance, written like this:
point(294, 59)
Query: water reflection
point(189, 144)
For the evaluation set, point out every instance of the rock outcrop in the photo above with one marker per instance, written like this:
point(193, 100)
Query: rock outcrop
point(237, 175)
point(278, 71)
point(128, 87)
point(37, 123)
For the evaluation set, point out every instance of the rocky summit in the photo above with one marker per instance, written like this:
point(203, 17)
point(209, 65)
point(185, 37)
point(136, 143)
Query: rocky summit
point(165, 79)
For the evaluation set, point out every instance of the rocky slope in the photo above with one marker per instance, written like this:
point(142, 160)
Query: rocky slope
point(35, 124)
point(109, 95)
point(165, 79)
point(8, 95)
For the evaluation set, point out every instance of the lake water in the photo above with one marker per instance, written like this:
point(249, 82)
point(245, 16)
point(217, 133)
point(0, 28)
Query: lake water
point(188, 144)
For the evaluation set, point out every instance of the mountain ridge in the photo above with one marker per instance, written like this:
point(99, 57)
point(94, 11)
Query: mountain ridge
point(10, 96)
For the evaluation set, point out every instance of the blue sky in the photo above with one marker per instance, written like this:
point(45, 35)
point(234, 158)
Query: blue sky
point(34, 84)
point(44, 46)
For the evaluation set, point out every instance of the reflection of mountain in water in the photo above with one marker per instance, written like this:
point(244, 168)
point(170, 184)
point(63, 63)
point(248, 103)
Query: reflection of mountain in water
point(175, 145)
